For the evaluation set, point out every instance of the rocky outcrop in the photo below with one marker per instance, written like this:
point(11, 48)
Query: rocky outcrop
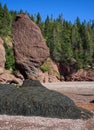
point(52, 74)
point(2, 56)
point(29, 46)
point(64, 69)
point(8, 78)
point(70, 73)
point(46, 77)
point(82, 75)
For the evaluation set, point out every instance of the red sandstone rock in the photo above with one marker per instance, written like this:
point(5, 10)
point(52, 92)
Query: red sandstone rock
point(29, 46)
point(2, 56)
point(83, 75)
point(64, 69)
point(52, 75)
point(9, 78)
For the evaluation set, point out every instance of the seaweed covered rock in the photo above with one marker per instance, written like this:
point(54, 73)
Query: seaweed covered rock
point(30, 48)
point(33, 99)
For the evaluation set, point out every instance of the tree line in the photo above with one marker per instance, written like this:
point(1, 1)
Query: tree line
point(69, 43)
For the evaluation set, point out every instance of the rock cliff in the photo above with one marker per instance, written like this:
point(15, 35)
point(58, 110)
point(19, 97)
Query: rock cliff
point(2, 56)
point(29, 46)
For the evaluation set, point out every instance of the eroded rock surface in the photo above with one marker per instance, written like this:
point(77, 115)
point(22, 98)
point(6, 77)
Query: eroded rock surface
point(82, 75)
point(2, 56)
point(29, 46)
point(52, 74)
point(8, 78)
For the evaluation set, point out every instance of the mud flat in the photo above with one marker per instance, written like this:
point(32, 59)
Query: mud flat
point(80, 92)
point(72, 87)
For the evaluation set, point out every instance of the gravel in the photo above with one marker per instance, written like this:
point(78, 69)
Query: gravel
point(40, 123)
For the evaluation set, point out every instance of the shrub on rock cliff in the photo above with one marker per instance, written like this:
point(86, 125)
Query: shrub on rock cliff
point(9, 57)
point(45, 67)
point(33, 99)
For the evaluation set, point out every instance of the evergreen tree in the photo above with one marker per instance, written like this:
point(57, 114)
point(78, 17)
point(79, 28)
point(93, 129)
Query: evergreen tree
point(66, 41)
point(38, 19)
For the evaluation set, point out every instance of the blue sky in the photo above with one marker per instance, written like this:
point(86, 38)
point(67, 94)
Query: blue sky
point(70, 9)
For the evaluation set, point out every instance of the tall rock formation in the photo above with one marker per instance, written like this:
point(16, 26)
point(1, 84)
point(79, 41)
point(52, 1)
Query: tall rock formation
point(2, 56)
point(29, 46)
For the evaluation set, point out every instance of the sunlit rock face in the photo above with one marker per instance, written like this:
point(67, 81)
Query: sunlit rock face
point(30, 49)
point(2, 56)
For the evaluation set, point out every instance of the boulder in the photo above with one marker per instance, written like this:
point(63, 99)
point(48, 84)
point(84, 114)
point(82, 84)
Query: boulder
point(33, 99)
point(30, 49)
point(2, 56)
